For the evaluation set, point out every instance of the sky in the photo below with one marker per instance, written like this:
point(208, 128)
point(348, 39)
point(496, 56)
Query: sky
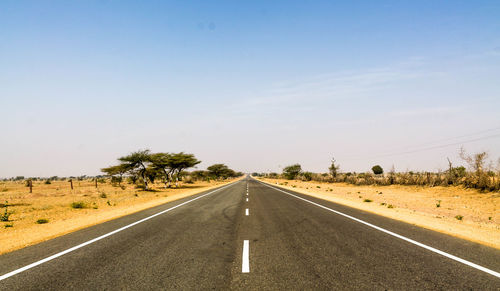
point(257, 85)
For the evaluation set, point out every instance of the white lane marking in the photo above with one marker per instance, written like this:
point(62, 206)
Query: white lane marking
point(450, 256)
point(247, 199)
point(245, 264)
point(32, 265)
point(246, 212)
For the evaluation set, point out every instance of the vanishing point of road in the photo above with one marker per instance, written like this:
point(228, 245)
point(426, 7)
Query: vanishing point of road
point(250, 235)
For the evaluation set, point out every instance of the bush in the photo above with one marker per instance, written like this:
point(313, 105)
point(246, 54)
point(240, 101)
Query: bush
point(459, 172)
point(5, 216)
point(377, 170)
point(78, 205)
point(116, 180)
point(307, 176)
point(291, 172)
point(42, 221)
point(367, 200)
point(188, 180)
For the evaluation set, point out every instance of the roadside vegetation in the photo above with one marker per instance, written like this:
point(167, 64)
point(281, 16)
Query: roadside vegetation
point(143, 168)
point(34, 209)
point(477, 172)
point(461, 200)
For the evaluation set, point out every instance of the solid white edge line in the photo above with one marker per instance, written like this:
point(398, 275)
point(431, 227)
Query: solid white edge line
point(450, 256)
point(32, 265)
point(245, 263)
point(246, 212)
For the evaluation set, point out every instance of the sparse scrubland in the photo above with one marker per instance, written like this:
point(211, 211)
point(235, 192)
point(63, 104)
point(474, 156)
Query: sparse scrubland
point(461, 201)
point(481, 174)
point(36, 209)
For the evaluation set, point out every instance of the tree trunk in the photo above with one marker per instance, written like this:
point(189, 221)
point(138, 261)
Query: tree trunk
point(145, 182)
point(169, 177)
point(165, 179)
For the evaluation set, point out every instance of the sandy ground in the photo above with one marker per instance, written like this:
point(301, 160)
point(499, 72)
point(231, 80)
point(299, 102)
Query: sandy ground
point(53, 203)
point(480, 216)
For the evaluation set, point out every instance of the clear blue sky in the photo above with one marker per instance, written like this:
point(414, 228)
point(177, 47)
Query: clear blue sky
point(255, 85)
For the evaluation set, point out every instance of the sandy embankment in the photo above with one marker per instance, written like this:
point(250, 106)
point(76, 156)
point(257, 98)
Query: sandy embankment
point(53, 202)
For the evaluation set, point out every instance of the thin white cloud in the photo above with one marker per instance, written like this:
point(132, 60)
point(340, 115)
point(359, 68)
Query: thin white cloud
point(418, 112)
point(342, 85)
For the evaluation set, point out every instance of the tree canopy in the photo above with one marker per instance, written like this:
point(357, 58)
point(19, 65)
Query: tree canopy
point(292, 171)
point(377, 170)
point(169, 167)
point(137, 161)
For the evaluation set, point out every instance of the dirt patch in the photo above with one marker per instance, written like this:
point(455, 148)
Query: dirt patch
point(460, 212)
point(69, 210)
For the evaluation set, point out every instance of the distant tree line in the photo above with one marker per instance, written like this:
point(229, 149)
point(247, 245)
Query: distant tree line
point(53, 178)
point(144, 168)
point(479, 174)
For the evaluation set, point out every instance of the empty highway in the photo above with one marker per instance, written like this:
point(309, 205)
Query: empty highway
point(249, 235)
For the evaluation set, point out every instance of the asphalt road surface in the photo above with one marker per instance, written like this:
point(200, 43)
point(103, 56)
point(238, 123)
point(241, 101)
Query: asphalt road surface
point(267, 239)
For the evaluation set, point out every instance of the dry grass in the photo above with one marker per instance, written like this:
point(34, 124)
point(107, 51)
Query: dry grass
point(479, 212)
point(68, 210)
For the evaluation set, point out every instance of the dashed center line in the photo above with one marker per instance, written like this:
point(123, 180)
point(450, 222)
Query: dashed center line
point(245, 263)
point(247, 212)
point(247, 199)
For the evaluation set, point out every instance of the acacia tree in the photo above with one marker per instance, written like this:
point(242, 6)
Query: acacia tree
point(292, 171)
point(137, 162)
point(180, 162)
point(171, 165)
point(221, 171)
point(217, 170)
point(162, 162)
point(118, 170)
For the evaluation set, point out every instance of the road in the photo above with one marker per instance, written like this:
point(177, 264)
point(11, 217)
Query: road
point(261, 238)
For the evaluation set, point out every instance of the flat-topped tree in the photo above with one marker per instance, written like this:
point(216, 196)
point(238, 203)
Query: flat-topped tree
point(171, 164)
point(162, 162)
point(137, 161)
point(220, 171)
point(119, 170)
point(180, 162)
point(292, 171)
